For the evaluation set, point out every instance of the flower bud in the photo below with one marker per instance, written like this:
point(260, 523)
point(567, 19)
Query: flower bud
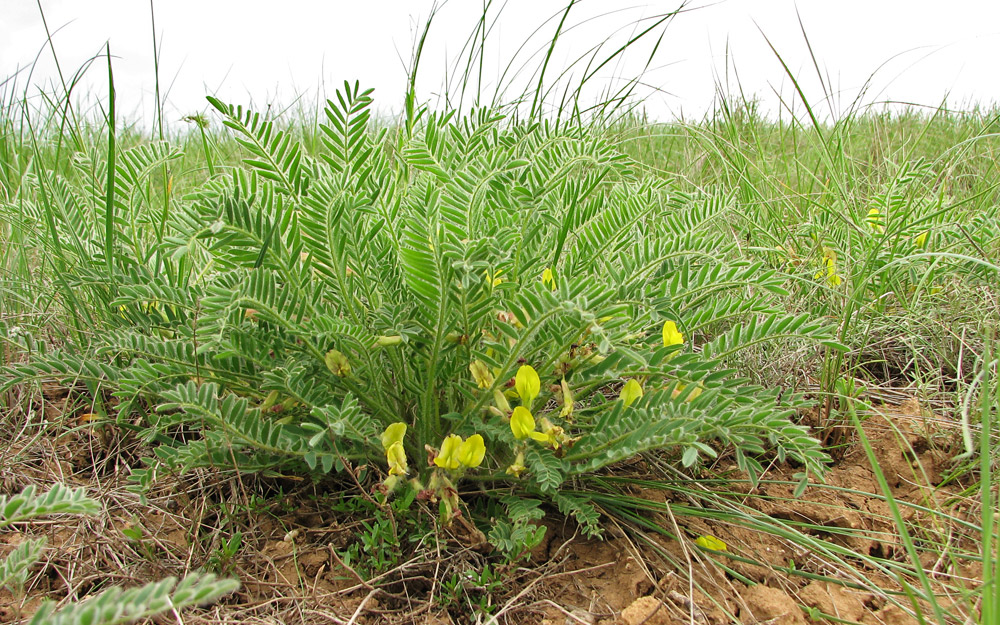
point(388, 341)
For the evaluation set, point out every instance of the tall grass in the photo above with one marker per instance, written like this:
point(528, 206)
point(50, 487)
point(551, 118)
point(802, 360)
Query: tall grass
point(914, 315)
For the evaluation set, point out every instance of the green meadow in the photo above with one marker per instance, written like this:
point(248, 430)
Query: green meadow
point(325, 366)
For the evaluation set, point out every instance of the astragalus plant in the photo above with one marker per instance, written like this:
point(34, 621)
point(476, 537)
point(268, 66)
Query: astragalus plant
point(480, 298)
point(112, 605)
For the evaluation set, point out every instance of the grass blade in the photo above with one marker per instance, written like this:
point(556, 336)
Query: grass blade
point(109, 195)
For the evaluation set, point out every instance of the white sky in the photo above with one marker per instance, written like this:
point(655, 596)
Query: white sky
point(269, 52)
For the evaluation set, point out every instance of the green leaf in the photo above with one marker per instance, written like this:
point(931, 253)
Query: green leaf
point(546, 469)
point(690, 456)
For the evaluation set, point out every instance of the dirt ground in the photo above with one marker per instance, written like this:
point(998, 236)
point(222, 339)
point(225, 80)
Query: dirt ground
point(293, 537)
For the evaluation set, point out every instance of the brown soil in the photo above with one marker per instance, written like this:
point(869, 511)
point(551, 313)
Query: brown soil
point(292, 565)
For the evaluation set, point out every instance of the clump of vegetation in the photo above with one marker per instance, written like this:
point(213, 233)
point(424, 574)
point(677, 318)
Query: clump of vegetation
point(487, 314)
point(485, 299)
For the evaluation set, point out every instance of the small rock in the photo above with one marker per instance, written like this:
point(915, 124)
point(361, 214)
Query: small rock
point(835, 600)
point(647, 611)
point(766, 604)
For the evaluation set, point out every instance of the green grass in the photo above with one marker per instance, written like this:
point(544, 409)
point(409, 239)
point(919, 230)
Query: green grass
point(915, 317)
point(915, 311)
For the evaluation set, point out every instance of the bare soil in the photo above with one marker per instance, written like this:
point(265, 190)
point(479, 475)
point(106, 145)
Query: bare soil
point(295, 534)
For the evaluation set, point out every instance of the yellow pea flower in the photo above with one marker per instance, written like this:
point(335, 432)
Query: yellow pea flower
point(828, 268)
point(680, 389)
point(448, 458)
point(631, 392)
point(518, 467)
point(481, 374)
point(472, 451)
point(393, 434)
point(522, 424)
point(527, 384)
point(874, 220)
point(493, 280)
point(551, 434)
point(269, 401)
point(396, 456)
point(549, 279)
point(567, 399)
point(710, 542)
point(671, 336)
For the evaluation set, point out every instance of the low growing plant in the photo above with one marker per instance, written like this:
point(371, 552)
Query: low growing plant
point(480, 301)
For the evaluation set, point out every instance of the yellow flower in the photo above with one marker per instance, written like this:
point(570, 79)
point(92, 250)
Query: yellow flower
point(551, 434)
point(522, 424)
point(710, 542)
point(567, 399)
point(518, 467)
point(448, 458)
point(393, 434)
point(921, 239)
point(631, 392)
point(396, 456)
point(527, 384)
point(481, 374)
point(493, 280)
point(671, 336)
point(549, 279)
point(828, 268)
point(472, 451)
point(680, 389)
point(874, 220)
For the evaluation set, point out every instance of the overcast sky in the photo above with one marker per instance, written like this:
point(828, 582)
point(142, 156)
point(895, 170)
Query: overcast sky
point(270, 52)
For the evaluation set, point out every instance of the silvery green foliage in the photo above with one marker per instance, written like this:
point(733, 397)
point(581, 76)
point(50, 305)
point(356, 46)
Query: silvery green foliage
point(114, 605)
point(411, 257)
point(26, 506)
point(14, 568)
point(58, 500)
